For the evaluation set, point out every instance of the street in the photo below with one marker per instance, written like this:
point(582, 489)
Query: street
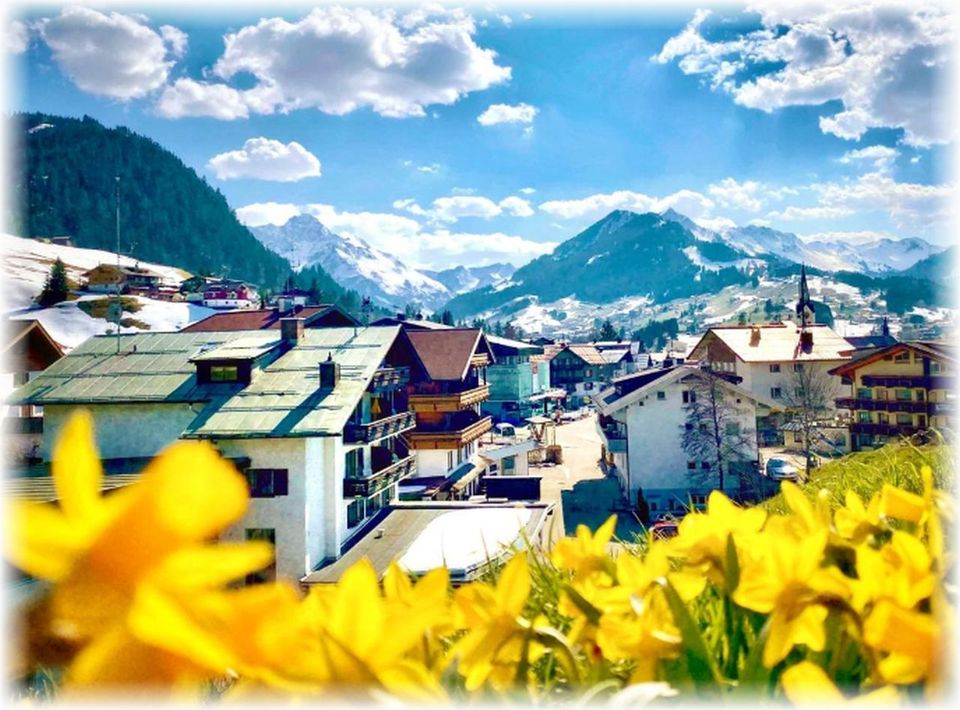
point(578, 486)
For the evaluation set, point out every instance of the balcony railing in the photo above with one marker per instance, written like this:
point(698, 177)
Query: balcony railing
point(932, 382)
point(882, 405)
point(942, 407)
point(451, 436)
point(388, 378)
point(379, 429)
point(614, 439)
point(883, 429)
point(381, 479)
point(449, 402)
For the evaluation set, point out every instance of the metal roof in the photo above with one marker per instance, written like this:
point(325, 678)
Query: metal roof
point(778, 342)
point(283, 398)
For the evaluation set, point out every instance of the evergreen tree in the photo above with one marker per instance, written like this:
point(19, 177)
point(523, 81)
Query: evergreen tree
point(56, 288)
point(607, 331)
point(315, 296)
point(447, 318)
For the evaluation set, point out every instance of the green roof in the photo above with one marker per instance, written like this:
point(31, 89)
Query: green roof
point(283, 399)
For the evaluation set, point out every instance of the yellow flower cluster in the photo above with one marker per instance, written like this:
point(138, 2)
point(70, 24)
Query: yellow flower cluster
point(816, 605)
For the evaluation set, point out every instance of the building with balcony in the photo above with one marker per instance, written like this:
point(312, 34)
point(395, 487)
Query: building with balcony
point(581, 371)
point(641, 421)
point(898, 391)
point(314, 419)
point(519, 382)
point(448, 384)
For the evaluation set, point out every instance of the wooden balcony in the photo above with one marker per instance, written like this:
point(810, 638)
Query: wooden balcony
point(480, 360)
point(379, 429)
point(930, 382)
point(882, 429)
point(452, 438)
point(941, 408)
point(613, 439)
point(389, 378)
point(882, 405)
point(376, 482)
point(449, 402)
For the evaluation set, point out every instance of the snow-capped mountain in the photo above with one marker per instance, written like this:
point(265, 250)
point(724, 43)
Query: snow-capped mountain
point(461, 279)
point(875, 256)
point(304, 241)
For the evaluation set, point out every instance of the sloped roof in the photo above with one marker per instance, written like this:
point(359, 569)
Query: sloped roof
point(268, 318)
point(778, 342)
point(282, 400)
point(549, 352)
point(508, 346)
point(943, 352)
point(588, 354)
point(24, 333)
point(613, 356)
point(412, 323)
point(445, 354)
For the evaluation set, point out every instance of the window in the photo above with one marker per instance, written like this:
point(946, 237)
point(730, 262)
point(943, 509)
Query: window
point(703, 427)
point(20, 378)
point(705, 465)
point(689, 396)
point(459, 455)
point(691, 465)
point(355, 512)
point(935, 367)
point(688, 426)
point(698, 500)
point(904, 395)
point(509, 465)
point(863, 417)
point(798, 367)
point(449, 460)
point(268, 573)
point(776, 393)
point(267, 482)
point(733, 428)
point(354, 463)
point(588, 372)
point(492, 468)
point(922, 421)
point(864, 393)
point(883, 418)
point(661, 394)
point(921, 395)
point(902, 358)
point(224, 373)
point(775, 367)
point(588, 385)
point(906, 419)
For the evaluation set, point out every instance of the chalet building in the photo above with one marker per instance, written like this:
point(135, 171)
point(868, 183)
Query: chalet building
point(314, 418)
point(581, 371)
point(900, 390)
point(321, 316)
point(230, 294)
point(641, 421)
point(107, 278)
point(519, 387)
point(448, 384)
point(28, 352)
point(773, 359)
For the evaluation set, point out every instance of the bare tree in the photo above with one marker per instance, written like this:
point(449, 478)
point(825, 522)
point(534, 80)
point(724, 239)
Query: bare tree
point(808, 399)
point(714, 430)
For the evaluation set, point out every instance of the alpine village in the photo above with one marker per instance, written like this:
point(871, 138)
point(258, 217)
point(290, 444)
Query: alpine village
point(586, 404)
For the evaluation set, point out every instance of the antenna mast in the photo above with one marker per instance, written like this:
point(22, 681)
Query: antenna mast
point(119, 307)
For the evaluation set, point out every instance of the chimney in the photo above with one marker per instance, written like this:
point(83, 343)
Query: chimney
point(329, 373)
point(291, 330)
point(284, 305)
point(754, 335)
point(806, 341)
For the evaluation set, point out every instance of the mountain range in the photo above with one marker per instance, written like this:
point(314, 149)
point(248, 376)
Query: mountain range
point(355, 264)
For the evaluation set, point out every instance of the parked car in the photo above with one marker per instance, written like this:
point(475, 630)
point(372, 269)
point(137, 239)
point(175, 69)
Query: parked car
point(664, 528)
point(780, 469)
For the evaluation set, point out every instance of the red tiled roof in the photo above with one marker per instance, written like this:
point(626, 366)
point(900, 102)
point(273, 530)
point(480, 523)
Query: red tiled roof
point(446, 354)
point(259, 319)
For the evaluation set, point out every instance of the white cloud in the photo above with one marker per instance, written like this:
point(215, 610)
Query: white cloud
point(742, 195)
point(716, 224)
point(464, 203)
point(793, 213)
point(405, 237)
point(909, 205)
point(855, 238)
point(885, 63)
point(432, 168)
point(266, 159)
point(881, 156)
point(112, 55)
point(261, 213)
point(687, 202)
point(526, 190)
point(507, 113)
point(915, 159)
point(506, 20)
point(187, 97)
point(339, 60)
point(516, 206)
point(17, 37)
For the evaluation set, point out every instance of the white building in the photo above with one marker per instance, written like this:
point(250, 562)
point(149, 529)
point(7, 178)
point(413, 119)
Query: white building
point(311, 417)
point(642, 419)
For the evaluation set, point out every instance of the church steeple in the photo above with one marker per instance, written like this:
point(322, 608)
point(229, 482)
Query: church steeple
point(805, 309)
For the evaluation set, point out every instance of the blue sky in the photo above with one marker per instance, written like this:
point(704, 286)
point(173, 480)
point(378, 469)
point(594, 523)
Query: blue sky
point(491, 133)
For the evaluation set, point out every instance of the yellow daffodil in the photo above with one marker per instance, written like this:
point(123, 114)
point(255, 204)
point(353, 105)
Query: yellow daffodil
point(785, 580)
point(806, 683)
point(808, 517)
point(586, 553)
point(900, 571)
point(855, 521)
point(911, 640)
point(106, 555)
point(701, 539)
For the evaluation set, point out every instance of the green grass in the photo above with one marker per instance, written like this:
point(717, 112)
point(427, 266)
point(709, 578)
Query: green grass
point(866, 472)
point(98, 308)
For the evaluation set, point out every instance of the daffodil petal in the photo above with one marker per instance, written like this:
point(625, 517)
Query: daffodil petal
point(41, 541)
point(76, 469)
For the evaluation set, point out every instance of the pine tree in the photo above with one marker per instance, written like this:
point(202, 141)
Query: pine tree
point(607, 331)
point(56, 288)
